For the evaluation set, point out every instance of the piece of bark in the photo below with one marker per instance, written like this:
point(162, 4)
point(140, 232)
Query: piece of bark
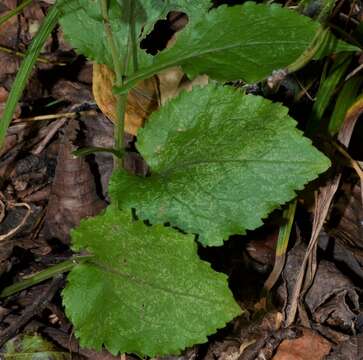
point(74, 194)
point(352, 349)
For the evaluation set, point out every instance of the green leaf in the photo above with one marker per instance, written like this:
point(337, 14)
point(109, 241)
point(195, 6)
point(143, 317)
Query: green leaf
point(245, 42)
point(326, 90)
point(220, 161)
point(346, 98)
point(31, 347)
point(146, 291)
point(83, 26)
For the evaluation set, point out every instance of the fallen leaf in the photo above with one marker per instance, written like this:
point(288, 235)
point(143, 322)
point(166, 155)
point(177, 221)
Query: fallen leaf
point(307, 347)
point(173, 81)
point(141, 101)
point(144, 98)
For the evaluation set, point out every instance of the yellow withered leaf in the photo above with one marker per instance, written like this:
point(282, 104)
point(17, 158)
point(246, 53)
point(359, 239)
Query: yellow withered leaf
point(141, 102)
point(144, 98)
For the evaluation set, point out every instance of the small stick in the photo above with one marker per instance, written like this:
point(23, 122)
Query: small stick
point(22, 55)
point(354, 72)
point(68, 115)
point(53, 130)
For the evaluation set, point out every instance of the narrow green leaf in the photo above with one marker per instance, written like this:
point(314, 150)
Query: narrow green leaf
point(259, 39)
point(17, 10)
point(145, 291)
point(346, 98)
point(281, 247)
point(326, 90)
point(26, 67)
point(222, 163)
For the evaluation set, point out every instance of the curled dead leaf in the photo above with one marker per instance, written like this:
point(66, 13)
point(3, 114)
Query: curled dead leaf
point(309, 346)
point(145, 98)
point(141, 101)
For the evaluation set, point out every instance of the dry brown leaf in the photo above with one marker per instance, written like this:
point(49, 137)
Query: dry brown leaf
point(144, 98)
point(141, 101)
point(173, 81)
point(310, 346)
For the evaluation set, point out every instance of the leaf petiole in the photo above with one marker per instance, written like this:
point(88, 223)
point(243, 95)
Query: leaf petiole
point(64, 266)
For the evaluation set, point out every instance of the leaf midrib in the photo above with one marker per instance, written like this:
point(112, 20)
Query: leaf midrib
point(154, 69)
point(181, 166)
point(132, 278)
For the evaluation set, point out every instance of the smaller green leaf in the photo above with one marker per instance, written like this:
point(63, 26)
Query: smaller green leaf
point(31, 347)
point(145, 291)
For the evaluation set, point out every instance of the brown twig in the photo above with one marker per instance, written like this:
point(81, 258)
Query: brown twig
point(68, 115)
point(39, 59)
point(52, 131)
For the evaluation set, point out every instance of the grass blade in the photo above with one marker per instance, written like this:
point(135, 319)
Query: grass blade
point(17, 10)
point(26, 67)
point(282, 243)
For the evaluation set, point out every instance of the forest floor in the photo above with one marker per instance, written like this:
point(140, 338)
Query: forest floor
point(42, 199)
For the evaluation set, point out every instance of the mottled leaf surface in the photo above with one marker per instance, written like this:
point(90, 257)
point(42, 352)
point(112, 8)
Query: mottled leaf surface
point(220, 162)
point(245, 42)
point(145, 291)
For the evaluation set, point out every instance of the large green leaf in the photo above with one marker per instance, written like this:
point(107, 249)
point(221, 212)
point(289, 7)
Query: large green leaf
point(220, 161)
point(83, 26)
point(146, 291)
point(243, 42)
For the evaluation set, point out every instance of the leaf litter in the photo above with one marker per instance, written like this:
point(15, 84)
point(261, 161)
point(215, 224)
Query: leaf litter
point(329, 302)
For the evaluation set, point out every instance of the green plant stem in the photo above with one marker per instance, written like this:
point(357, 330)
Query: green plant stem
point(14, 12)
point(26, 67)
point(133, 36)
point(43, 275)
point(120, 98)
point(320, 37)
point(111, 42)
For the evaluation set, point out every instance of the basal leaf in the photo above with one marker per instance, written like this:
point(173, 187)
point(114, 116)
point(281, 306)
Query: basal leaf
point(245, 42)
point(83, 26)
point(146, 291)
point(220, 161)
